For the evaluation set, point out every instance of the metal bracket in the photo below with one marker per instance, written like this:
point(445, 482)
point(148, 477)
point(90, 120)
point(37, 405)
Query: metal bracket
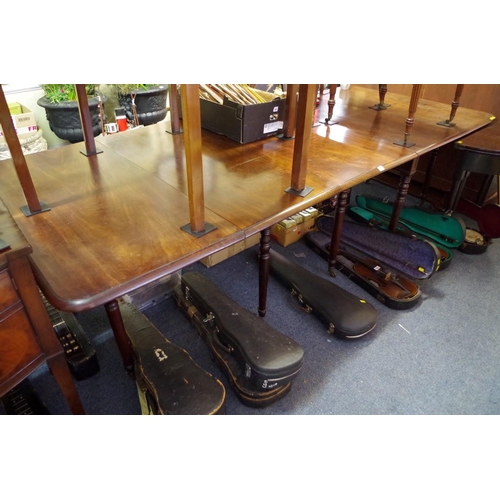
point(25, 209)
point(302, 193)
point(208, 228)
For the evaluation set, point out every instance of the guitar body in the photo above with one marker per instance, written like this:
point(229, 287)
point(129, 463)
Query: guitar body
point(259, 362)
point(346, 315)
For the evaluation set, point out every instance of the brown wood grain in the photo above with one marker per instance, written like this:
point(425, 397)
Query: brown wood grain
point(116, 217)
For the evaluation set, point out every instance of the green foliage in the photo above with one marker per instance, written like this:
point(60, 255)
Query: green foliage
point(62, 92)
point(128, 88)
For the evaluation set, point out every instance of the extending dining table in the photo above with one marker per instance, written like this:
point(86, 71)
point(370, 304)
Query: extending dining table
point(115, 219)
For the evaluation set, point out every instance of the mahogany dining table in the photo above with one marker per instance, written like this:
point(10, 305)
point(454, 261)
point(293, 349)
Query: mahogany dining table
point(115, 219)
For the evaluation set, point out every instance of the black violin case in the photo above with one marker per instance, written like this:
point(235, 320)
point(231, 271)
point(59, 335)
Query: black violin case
point(259, 362)
point(168, 380)
point(446, 229)
point(346, 315)
point(385, 264)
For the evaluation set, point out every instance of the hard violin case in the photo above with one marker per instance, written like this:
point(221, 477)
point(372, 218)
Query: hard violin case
point(169, 381)
point(259, 362)
point(385, 264)
point(447, 230)
point(346, 315)
point(381, 222)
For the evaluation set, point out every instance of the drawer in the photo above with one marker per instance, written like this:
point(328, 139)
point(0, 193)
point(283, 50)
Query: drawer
point(9, 297)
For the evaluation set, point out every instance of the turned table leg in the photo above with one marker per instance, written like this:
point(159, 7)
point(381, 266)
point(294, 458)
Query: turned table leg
point(382, 90)
point(415, 97)
point(265, 245)
point(404, 184)
point(337, 231)
point(331, 104)
point(454, 106)
point(121, 337)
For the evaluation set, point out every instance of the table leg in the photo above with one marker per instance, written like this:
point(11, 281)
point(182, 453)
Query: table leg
point(428, 175)
point(265, 245)
point(337, 230)
point(331, 104)
point(174, 126)
point(59, 368)
point(454, 106)
point(404, 185)
point(382, 90)
point(121, 337)
point(415, 97)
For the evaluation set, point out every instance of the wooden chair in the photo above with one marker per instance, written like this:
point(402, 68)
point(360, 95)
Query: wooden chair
point(27, 338)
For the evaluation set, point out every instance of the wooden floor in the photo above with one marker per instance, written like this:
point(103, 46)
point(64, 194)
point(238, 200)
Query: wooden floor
point(115, 218)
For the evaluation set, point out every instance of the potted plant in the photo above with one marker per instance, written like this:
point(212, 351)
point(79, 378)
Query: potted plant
point(144, 103)
point(61, 107)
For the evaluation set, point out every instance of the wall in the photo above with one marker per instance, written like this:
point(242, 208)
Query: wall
point(28, 95)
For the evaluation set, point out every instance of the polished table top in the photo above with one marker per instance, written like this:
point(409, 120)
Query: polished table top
point(115, 218)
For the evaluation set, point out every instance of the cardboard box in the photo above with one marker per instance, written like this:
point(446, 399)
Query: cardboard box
point(286, 233)
point(225, 253)
point(24, 122)
point(155, 292)
point(243, 123)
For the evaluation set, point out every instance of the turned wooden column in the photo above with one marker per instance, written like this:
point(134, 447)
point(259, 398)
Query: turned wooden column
point(404, 184)
point(454, 106)
point(410, 121)
point(265, 245)
point(331, 104)
point(382, 90)
point(337, 230)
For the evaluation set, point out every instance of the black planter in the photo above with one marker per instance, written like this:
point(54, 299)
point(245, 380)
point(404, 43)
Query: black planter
point(64, 118)
point(151, 105)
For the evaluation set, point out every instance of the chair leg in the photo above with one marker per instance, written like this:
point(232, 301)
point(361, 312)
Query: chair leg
point(60, 370)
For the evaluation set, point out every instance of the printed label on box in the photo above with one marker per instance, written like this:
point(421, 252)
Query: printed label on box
point(272, 127)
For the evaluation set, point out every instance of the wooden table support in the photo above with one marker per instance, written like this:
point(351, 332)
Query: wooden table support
point(331, 104)
point(415, 97)
point(34, 206)
point(192, 144)
point(265, 245)
point(454, 106)
point(337, 230)
point(121, 337)
point(83, 108)
point(428, 176)
point(291, 111)
point(305, 114)
point(174, 127)
point(382, 90)
point(404, 184)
